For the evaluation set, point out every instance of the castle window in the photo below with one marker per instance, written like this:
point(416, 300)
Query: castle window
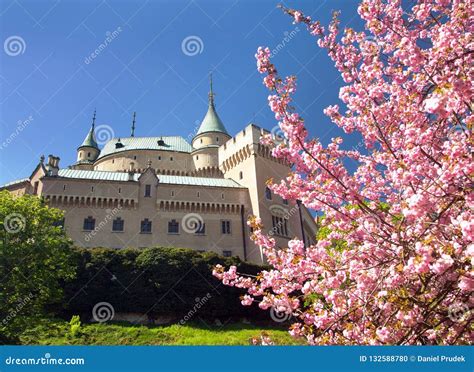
point(117, 224)
point(171, 158)
point(198, 194)
point(225, 146)
point(222, 196)
point(197, 157)
point(285, 201)
point(225, 227)
point(241, 175)
point(89, 223)
point(172, 193)
point(145, 226)
point(159, 157)
point(199, 228)
point(64, 187)
point(113, 161)
point(173, 227)
point(280, 226)
point(92, 188)
point(201, 140)
point(147, 191)
point(227, 253)
point(88, 154)
point(217, 139)
point(268, 193)
point(119, 190)
point(243, 132)
point(36, 188)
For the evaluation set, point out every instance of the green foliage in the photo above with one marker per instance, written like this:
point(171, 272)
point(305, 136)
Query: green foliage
point(56, 332)
point(75, 326)
point(155, 281)
point(35, 256)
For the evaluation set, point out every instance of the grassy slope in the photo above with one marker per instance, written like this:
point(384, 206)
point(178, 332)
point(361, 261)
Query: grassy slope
point(57, 332)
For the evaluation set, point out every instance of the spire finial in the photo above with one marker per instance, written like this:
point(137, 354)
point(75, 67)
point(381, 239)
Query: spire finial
point(93, 119)
point(133, 124)
point(211, 92)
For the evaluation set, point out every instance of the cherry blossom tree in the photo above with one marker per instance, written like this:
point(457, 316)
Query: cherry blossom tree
point(403, 274)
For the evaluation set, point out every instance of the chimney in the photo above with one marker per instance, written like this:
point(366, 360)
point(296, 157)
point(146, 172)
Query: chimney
point(53, 165)
point(131, 171)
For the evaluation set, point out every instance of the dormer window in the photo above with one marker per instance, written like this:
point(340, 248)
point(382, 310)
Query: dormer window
point(161, 142)
point(118, 144)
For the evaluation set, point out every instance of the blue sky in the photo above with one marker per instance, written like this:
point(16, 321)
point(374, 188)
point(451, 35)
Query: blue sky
point(49, 89)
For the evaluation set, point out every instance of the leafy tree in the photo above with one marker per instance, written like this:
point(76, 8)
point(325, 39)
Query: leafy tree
point(405, 274)
point(35, 256)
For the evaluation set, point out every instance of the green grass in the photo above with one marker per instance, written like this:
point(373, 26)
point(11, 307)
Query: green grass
point(57, 332)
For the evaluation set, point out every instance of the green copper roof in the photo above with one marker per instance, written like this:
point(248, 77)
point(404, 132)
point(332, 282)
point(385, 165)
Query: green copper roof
point(170, 143)
point(90, 141)
point(212, 121)
point(165, 179)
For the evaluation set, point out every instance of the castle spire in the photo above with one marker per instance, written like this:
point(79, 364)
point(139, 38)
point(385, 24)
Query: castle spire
point(211, 122)
point(211, 92)
point(133, 124)
point(93, 119)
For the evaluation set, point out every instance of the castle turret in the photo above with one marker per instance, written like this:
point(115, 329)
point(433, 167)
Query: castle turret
point(210, 135)
point(88, 151)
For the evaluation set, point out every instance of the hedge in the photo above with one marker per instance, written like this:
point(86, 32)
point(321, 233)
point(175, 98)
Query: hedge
point(155, 281)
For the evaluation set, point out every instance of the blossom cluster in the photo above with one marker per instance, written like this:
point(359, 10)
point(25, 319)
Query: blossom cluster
point(395, 249)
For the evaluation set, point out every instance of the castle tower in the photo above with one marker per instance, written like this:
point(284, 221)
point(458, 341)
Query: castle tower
point(88, 151)
point(209, 137)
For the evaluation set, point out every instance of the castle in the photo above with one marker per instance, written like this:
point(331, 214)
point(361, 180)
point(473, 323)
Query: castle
point(164, 191)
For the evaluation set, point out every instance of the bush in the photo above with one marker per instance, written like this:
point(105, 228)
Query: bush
point(155, 281)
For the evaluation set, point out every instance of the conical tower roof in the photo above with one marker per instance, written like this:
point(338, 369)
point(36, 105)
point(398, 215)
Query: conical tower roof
point(211, 122)
point(90, 140)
